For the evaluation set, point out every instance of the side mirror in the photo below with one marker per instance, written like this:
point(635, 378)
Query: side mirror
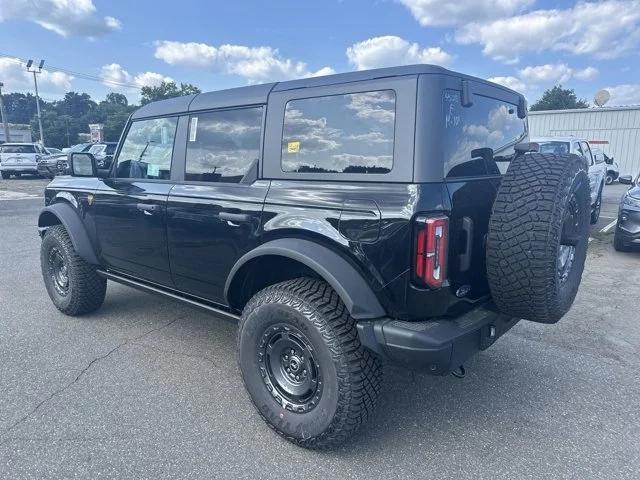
point(626, 179)
point(83, 165)
point(608, 160)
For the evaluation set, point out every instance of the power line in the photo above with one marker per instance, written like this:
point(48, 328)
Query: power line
point(83, 76)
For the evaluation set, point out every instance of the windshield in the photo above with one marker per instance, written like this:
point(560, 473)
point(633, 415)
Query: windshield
point(557, 148)
point(17, 149)
point(77, 148)
point(96, 149)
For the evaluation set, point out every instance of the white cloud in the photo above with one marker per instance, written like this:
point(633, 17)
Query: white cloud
point(390, 50)
point(510, 82)
point(65, 17)
point(15, 77)
point(437, 12)
point(556, 73)
point(605, 29)
point(114, 74)
point(256, 64)
point(627, 94)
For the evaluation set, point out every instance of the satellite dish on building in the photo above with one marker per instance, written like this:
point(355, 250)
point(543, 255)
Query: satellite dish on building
point(601, 98)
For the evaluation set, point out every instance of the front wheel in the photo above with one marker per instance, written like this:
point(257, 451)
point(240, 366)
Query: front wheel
point(303, 365)
point(609, 180)
point(73, 284)
point(618, 243)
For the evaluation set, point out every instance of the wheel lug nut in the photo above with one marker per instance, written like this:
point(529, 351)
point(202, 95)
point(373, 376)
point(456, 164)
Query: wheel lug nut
point(286, 357)
point(297, 377)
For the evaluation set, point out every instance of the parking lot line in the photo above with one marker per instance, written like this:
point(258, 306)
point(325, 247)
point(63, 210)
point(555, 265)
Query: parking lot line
point(609, 226)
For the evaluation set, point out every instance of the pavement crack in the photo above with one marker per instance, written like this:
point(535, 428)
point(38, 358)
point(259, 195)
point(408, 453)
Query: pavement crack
point(80, 374)
point(174, 352)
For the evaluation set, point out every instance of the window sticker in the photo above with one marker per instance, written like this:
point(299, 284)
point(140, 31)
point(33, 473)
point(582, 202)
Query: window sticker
point(293, 147)
point(153, 170)
point(193, 129)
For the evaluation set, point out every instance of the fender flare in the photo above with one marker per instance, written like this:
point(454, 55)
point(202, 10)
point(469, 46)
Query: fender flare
point(74, 226)
point(352, 288)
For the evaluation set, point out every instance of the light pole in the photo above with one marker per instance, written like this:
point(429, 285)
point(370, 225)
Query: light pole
point(35, 81)
point(3, 114)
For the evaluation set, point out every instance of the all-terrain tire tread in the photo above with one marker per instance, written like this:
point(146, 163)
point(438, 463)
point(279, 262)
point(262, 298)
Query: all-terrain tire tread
point(88, 289)
point(359, 371)
point(524, 231)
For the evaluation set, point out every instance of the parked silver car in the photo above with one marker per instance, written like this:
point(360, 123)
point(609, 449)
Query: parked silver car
point(597, 165)
point(19, 158)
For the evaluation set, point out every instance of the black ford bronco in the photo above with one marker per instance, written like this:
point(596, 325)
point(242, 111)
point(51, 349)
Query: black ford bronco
point(397, 215)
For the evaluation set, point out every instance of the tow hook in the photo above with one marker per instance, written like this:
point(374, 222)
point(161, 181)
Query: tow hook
point(459, 372)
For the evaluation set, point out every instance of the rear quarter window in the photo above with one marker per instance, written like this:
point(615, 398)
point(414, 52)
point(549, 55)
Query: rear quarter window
point(477, 136)
point(349, 133)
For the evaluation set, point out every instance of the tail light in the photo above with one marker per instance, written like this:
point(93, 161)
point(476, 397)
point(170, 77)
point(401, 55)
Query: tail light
point(432, 238)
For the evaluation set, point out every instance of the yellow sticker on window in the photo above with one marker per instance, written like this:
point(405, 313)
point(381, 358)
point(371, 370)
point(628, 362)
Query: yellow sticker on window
point(293, 147)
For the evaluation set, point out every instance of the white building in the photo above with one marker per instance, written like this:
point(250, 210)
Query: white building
point(616, 130)
point(18, 133)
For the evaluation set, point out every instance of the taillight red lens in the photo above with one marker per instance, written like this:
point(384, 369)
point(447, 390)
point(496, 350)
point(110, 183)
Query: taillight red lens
point(431, 250)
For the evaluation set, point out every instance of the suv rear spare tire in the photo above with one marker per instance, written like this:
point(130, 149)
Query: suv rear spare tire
point(303, 364)
point(538, 236)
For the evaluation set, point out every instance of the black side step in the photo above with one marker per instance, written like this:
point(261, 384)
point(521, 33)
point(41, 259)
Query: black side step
point(158, 290)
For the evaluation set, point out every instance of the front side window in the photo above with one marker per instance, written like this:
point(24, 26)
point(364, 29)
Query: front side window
point(352, 133)
point(147, 149)
point(587, 152)
point(477, 137)
point(223, 145)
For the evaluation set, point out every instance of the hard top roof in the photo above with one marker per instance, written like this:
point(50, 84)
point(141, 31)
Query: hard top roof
point(258, 94)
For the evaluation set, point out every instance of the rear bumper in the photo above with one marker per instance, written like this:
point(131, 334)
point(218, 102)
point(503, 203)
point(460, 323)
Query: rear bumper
point(19, 168)
point(437, 346)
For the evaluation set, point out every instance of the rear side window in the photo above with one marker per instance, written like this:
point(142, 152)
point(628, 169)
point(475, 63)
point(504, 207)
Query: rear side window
point(18, 149)
point(478, 136)
point(147, 149)
point(223, 145)
point(350, 133)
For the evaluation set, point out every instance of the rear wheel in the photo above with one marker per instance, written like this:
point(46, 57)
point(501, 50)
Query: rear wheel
point(538, 232)
point(609, 180)
point(303, 365)
point(73, 284)
point(5, 175)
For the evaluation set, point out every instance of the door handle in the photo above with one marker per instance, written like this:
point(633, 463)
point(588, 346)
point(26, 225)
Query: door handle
point(235, 217)
point(148, 208)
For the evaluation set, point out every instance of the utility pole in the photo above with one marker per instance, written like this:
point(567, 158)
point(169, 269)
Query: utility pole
point(35, 81)
point(3, 114)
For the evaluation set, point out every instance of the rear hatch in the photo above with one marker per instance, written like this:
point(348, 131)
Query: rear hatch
point(18, 155)
point(478, 142)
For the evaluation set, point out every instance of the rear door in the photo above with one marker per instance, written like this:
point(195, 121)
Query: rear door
point(477, 142)
point(214, 211)
point(131, 206)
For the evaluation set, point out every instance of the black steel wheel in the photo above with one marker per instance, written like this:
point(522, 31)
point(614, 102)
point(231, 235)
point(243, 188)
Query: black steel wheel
point(72, 284)
point(303, 365)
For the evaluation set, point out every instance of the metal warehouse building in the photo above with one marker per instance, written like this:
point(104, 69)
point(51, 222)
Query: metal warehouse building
point(614, 129)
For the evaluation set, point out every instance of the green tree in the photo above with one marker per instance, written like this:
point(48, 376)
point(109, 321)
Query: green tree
point(20, 107)
point(166, 90)
point(558, 98)
point(59, 130)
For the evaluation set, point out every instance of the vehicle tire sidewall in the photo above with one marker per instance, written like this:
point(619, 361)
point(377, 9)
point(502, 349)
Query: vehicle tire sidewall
point(567, 290)
point(49, 242)
point(595, 215)
point(297, 425)
point(609, 179)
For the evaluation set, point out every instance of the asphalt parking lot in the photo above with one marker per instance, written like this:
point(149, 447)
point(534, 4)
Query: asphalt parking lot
point(149, 388)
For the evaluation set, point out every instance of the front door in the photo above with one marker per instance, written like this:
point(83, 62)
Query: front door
point(213, 216)
point(131, 206)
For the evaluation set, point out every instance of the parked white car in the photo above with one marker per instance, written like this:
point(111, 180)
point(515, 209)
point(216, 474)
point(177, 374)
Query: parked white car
point(19, 158)
point(597, 165)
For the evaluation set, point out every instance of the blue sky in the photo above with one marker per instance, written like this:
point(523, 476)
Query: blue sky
point(528, 45)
